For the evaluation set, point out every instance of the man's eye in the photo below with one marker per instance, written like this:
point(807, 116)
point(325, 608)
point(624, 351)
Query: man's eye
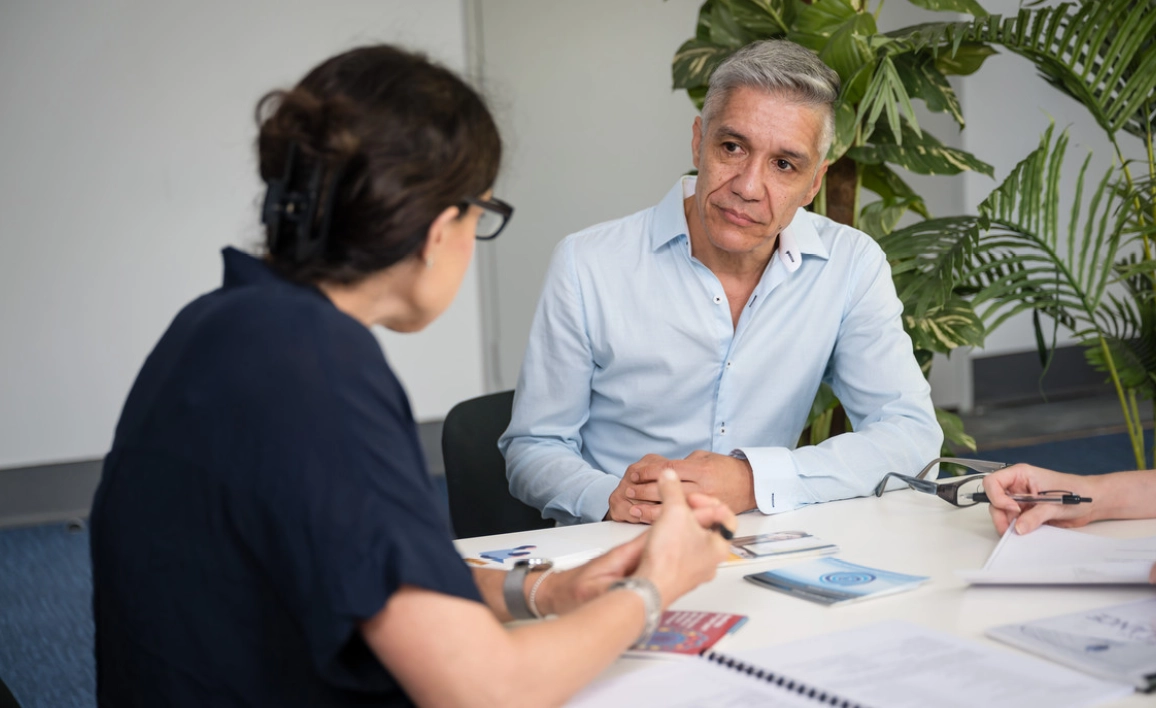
point(731, 147)
point(784, 165)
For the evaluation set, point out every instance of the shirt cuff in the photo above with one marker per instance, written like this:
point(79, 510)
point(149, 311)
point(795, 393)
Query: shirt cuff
point(776, 478)
point(594, 501)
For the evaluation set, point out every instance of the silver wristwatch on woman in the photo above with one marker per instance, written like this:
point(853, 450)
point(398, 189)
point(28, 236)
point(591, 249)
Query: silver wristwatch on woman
point(513, 587)
point(650, 595)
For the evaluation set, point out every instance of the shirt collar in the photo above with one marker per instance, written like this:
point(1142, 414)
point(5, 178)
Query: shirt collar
point(798, 239)
point(670, 216)
point(243, 269)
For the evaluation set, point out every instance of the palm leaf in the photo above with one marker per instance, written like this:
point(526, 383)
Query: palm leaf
point(695, 61)
point(919, 153)
point(942, 329)
point(971, 7)
point(1100, 53)
point(934, 252)
point(1029, 263)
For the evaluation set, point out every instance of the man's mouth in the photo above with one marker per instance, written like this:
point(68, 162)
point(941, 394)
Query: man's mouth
point(737, 217)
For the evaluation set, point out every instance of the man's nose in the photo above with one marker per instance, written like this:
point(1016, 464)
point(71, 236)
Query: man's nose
point(748, 183)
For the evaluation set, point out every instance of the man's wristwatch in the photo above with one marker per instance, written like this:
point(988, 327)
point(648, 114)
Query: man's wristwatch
point(649, 594)
point(513, 587)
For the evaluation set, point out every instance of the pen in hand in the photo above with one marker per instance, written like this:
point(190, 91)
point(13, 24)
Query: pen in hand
point(723, 531)
point(1044, 498)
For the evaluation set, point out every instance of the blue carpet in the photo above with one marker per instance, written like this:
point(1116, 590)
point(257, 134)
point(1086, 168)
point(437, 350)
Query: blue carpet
point(46, 630)
point(1091, 455)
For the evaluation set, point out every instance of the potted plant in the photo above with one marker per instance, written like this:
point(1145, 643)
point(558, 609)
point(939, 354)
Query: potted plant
point(1097, 277)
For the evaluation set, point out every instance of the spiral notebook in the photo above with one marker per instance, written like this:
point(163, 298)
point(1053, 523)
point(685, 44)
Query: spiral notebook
point(892, 664)
point(714, 679)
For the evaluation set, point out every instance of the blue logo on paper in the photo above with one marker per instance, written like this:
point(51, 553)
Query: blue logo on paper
point(847, 578)
point(500, 555)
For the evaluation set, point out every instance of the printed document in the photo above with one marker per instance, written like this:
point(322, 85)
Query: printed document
point(1055, 556)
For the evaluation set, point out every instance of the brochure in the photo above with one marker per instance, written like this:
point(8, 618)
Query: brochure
point(779, 544)
point(831, 581)
point(1117, 642)
point(687, 633)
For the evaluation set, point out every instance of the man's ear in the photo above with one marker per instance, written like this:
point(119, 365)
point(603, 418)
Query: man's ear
point(438, 232)
point(818, 183)
point(696, 140)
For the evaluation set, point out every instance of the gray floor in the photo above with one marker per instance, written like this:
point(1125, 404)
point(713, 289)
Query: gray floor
point(62, 492)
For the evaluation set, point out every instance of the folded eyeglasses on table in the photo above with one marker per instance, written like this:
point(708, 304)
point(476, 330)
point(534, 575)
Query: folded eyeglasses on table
point(965, 490)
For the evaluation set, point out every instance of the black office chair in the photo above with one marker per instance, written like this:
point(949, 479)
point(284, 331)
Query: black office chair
point(480, 501)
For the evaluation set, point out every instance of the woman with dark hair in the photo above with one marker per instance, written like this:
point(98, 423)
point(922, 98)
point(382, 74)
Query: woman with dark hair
point(265, 532)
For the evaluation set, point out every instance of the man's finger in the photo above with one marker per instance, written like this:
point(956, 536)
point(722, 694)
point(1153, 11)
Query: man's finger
point(643, 492)
point(646, 513)
point(644, 474)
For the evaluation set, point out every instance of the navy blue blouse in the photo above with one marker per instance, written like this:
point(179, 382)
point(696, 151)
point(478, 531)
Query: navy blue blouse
point(265, 493)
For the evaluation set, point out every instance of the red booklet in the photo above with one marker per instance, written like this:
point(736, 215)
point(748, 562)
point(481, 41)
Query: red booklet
point(687, 633)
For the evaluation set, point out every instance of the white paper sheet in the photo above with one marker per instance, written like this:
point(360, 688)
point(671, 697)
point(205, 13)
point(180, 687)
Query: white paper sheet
point(1055, 556)
point(892, 664)
point(903, 665)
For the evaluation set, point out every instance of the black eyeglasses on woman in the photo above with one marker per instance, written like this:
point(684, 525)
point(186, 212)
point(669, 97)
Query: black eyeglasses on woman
point(495, 215)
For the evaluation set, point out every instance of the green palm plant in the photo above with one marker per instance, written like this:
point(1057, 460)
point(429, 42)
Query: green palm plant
point(1097, 278)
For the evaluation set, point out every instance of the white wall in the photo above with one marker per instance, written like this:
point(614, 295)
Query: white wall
point(126, 133)
point(593, 129)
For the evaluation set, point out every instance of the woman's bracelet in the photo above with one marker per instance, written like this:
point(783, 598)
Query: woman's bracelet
point(533, 599)
point(650, 596)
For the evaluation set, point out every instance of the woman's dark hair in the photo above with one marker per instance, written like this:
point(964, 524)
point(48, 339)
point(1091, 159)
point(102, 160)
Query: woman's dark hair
point(389, 140)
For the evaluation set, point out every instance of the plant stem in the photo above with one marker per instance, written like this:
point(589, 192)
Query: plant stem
point(858, 181)
point(1139, 427)
point(1130, 423)
point(1151, 163)
point(1132, 186)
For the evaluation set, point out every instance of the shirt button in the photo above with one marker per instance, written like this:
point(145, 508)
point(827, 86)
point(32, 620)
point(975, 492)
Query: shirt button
point(723, 429)
point(717, 300)
point(728, 365)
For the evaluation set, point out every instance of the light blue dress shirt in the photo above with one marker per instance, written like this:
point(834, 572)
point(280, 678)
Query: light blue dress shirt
point(633, 351)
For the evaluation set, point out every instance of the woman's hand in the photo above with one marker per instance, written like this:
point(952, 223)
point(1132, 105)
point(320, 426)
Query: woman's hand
point(566, 590)
point(1026, 479)
point(682, 549)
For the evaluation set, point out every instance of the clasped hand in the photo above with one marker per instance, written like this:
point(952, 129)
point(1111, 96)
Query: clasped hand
point(728, 479)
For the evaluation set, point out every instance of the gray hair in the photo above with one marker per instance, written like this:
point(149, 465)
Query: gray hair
point(781, 67)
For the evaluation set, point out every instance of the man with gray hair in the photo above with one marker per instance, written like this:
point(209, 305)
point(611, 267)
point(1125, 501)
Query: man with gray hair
point(694, 335)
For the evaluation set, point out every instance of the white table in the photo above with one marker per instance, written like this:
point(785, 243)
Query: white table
point(903, 531)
